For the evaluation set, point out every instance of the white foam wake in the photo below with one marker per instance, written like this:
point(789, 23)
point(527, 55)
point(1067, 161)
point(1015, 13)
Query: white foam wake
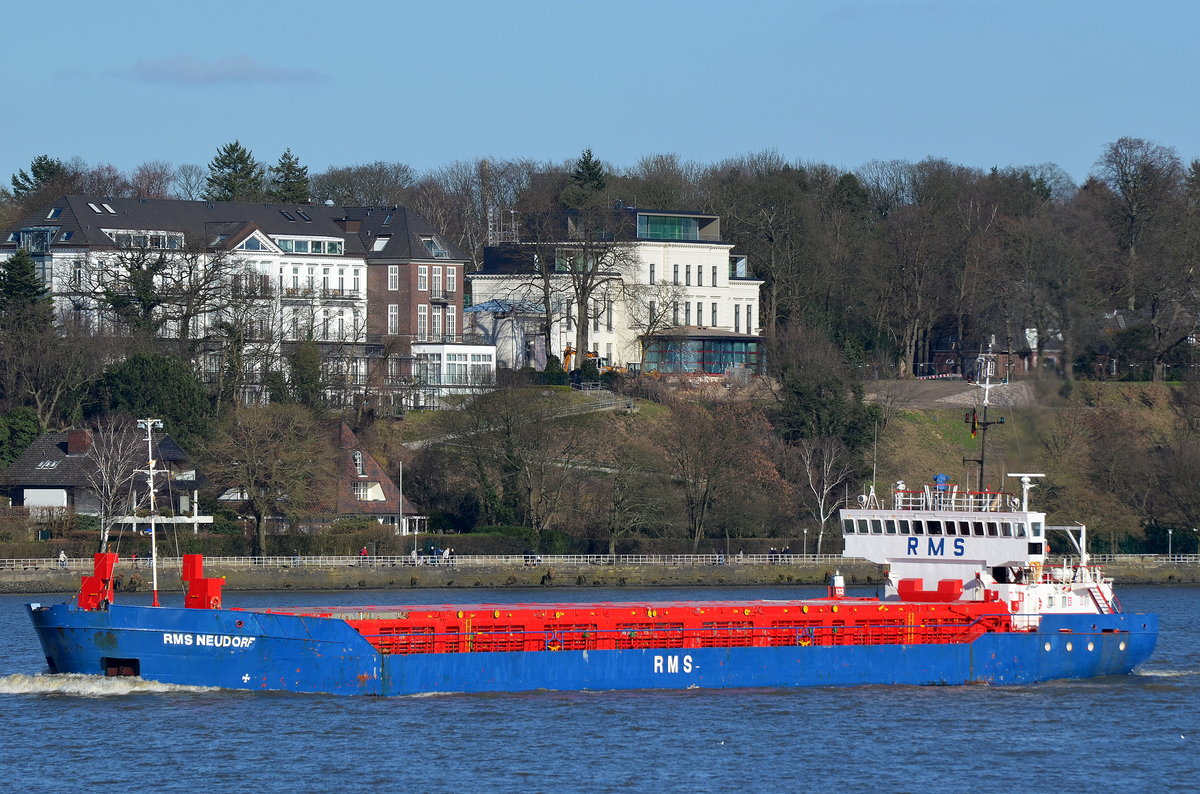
point(86, 685)
point(1167, 673)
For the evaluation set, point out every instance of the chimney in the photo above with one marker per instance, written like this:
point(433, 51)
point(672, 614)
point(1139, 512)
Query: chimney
point(79, 442)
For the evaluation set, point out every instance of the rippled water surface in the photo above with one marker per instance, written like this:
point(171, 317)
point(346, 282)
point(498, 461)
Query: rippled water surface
point(1134, 733)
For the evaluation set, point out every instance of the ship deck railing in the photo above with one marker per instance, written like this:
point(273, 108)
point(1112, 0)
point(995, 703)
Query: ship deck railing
point(427, 639)
point(951, 498)
point(127, 564)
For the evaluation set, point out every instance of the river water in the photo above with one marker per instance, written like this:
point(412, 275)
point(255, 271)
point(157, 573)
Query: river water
point(1139, 732)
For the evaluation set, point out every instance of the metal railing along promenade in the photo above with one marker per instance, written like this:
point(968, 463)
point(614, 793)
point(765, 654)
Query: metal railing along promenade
point(127, 563)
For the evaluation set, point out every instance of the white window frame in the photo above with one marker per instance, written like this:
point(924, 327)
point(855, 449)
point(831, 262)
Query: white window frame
point(422, 278)
point(393, 277)
point(393, 318)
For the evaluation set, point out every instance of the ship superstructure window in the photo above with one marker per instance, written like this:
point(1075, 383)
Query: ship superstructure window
point(918, 527)
point(890, 526)
point(904, 528)
point(847, 526)
point(950, 528)
point(934, 527)
point(876, 526)
point(1037, 528)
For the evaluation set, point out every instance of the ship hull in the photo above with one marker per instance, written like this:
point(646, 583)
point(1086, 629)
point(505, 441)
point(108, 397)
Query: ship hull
point(264, 651)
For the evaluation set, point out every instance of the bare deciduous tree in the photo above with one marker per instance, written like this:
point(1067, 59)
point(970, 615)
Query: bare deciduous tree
point(116, 452)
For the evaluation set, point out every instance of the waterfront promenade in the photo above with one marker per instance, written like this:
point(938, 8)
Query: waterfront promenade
point(50, 575)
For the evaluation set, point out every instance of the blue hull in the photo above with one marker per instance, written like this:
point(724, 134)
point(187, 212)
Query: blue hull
point(257, 651)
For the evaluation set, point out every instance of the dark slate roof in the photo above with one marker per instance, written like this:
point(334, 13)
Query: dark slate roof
point(46, 464)
point(205, 220)
point(404, 228)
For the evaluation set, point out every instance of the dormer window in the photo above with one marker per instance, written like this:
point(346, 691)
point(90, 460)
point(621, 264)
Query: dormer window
point(252, 244)
point(435, 248)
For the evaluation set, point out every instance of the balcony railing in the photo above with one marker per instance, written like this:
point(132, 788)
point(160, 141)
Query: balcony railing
point(311, 293)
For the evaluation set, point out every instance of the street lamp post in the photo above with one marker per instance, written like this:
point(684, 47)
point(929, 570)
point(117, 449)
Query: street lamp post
point(1169, 533)
point(806, 541)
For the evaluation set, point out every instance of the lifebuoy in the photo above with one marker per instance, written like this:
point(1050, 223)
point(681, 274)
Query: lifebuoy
point(215, 603)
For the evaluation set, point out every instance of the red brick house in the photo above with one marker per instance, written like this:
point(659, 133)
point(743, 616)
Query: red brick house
point(365, 489)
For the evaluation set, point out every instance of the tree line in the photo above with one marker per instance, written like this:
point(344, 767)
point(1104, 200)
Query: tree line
point(891, 260)
point(865, 271)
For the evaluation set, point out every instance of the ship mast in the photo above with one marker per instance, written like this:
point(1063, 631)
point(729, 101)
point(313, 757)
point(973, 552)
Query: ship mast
point(149, 471)
point(985, 369)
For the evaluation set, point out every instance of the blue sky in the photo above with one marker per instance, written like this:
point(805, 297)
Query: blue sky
point(979, 82)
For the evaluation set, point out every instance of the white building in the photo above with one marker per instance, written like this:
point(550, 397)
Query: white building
point(240, 283)
point(677, 298)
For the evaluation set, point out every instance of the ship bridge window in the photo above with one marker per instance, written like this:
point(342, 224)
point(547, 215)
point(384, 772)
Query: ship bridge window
point(876, 526)
point(890, 524)
point(950, 528)
point(935, 527)
point(992, 529)
point(847, 526)
point(1020, 528)
point(1037, 528)
point(862, 526)
point(904, 530)
point(918, 527)
point(1006, 529)
point(978, 527)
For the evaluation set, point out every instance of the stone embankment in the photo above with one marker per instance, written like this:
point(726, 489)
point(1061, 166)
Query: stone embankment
point(368, 576)
point(377, 576)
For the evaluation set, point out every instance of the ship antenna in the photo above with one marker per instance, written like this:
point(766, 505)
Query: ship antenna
point(984, 371)
point(149, 471)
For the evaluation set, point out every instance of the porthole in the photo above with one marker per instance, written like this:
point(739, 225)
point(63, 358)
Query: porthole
point(1121, 646)
point(1070, 647)
point(1047, 646)
point(1091, 647)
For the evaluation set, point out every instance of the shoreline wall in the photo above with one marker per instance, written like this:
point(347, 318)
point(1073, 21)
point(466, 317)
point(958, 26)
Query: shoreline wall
point(564, 576)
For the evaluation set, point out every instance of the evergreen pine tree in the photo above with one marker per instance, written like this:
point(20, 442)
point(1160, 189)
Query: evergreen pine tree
point(585, 186)
point(234, 175)
point(42, 170)
point(304, 362)
point(589, 173)
point(23, 296)
point(289, 180)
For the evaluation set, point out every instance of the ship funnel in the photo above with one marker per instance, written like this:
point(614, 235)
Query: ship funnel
point(837, 585)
